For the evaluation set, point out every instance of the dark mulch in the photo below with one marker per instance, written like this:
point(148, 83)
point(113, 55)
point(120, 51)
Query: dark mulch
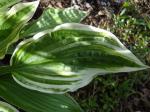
point(138, 102)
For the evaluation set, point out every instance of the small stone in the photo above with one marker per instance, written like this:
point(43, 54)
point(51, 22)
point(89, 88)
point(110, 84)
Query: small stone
point(59, 4)
point(101, 13)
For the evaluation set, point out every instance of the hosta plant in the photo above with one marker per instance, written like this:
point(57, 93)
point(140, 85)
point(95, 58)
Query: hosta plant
point(57, 55)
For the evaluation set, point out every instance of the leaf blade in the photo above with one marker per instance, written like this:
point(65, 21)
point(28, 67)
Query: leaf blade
point(4, 4)
point(52, 17)
point(12, 22)
point(33, 101)
point(69, 57)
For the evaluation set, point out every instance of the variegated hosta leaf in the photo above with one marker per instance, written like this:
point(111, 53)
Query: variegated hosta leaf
point(5, 107)
point(11, 23)
point(34, 101)
point(69, 57)
point(52, 17)
point(4, 4)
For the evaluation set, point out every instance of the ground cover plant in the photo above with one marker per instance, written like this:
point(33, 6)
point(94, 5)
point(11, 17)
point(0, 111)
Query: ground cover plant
point(58, 55)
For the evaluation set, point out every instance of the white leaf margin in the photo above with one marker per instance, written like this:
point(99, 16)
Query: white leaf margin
point(4, 107)
point(78, 26)
point(88, 71)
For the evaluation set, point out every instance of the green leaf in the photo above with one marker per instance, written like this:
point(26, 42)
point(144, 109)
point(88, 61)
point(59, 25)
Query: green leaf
point(33, 101)
point(5, 107)
point(69, 57)
point(4, 4)
point(52, 17)
point(12, 22)
point(147, 19)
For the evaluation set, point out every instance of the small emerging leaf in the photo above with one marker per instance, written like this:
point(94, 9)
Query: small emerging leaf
point(69, 57)
point(53, 17)
point(5, 107)
point(12, 22)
